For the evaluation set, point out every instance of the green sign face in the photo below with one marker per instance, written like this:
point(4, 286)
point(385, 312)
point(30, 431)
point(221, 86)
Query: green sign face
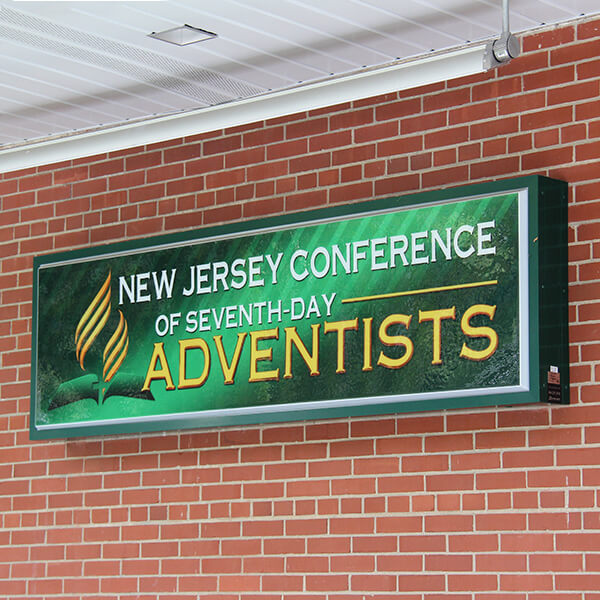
point(401, 306)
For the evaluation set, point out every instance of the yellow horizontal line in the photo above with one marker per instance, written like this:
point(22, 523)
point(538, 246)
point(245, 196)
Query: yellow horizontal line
point(445, 288)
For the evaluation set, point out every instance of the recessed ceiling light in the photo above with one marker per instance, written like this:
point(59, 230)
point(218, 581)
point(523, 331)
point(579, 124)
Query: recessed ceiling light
point(184, 35)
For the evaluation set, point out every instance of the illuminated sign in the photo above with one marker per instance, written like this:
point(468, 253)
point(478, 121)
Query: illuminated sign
point(449, 299)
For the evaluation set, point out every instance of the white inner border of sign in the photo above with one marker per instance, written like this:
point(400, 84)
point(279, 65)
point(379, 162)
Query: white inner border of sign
point(524, 382)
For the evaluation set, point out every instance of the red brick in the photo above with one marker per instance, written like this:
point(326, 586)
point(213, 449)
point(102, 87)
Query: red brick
point(587, 29)
point(287, 545)
point(367, 428)
point(332, 140)
point(35, 182)
point(308, 128)
point(495, 147)
point(377, 132)
point(497, 88)
point(494, 128)
point(221, 492)
point(261, 454)
point(574, 52)
point(307, 564)
point(472, 112)
point(351, 448)
point(8, 186)
point(404, 524)
point(355, 154)
point(576, 581)
point(305, 200)
point(262, 137)
point(337, 468)
point(449, 562)
point(472, 461)
point(351, 119)
point(576, 456)
point(530, 418)
point(448, 523)
point(447, 176)
point(288, 583)
point(535, 458)
point(471, 422)
point(368, 466)
point(400, 145)
point(355, 191)
point(218, 146)
point(378, 583)
point(421, 583)
point(495, 168)
point(399, 563)
point(573, 93)
point(392, 165)
point(423, 123)
point(544, 159)
point(307, 488)
point(547, 39)
point(396, 185)
point(521, 582)
point(22, 201)
point(553, 478)
point(504, 480)
point(500, 439)
point(473, 542)
point(263, 564)
point(398, 109)
point(263, 490)
point(238, 583)
point(577, 541)
point(198, 584)
point(447, 99)
point(305, 527)
point(469, 152)
point(444, 157)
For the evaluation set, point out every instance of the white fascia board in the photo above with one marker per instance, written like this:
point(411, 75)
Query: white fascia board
point(400, 76)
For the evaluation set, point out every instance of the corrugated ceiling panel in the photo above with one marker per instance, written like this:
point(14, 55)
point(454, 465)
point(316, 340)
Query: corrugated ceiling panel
point(70, 66)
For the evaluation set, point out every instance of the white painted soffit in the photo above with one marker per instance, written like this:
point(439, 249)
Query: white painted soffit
point(413, 73)
point(75, 73)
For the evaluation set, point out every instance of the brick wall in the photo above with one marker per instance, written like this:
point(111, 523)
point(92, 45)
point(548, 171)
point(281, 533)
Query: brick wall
point(471, 504)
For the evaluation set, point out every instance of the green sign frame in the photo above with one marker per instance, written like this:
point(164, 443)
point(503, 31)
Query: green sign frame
point(448, 299)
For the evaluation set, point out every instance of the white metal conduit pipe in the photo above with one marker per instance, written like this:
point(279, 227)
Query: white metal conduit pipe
point(507, 45)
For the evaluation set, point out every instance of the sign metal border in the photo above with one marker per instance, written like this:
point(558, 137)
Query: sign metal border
point(542, 206)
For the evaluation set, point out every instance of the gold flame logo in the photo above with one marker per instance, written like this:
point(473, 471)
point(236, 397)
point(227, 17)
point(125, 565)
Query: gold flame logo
point(92, 323)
